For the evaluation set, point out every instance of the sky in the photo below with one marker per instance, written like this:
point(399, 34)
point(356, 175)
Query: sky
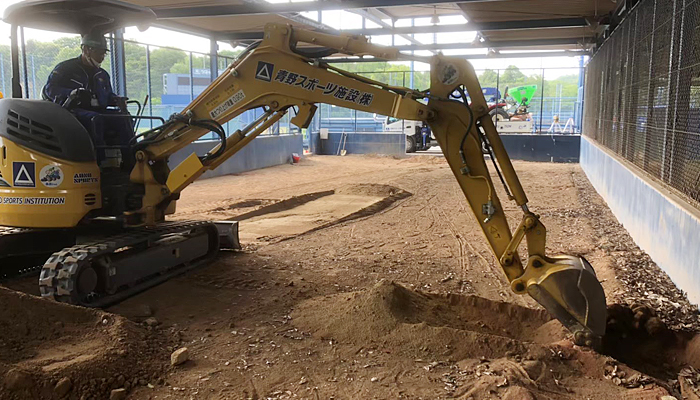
point(341, 19)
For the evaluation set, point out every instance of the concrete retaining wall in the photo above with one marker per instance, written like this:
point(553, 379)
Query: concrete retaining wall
point(360, 143)
point(263, 151)
point(545, 148)
point(661, 223)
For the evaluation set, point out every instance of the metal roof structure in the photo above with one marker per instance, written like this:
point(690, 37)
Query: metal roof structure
point(566, 27)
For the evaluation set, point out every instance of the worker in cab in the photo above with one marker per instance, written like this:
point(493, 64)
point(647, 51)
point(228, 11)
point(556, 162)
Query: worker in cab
point(83, 87)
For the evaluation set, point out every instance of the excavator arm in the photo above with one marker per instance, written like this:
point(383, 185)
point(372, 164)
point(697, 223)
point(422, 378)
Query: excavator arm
point(280, 74)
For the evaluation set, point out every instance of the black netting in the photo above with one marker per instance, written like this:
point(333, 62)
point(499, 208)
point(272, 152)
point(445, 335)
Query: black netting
point(643, 93)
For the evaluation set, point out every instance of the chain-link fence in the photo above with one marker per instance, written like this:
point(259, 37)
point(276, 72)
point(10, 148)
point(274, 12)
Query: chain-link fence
point(643, 87)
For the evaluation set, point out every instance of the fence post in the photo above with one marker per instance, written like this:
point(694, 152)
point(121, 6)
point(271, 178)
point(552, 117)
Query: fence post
point(213, 60)
point(24, 62)
point(191, 78)
point(119, 63)
point(649, 100)
point(413, 65)
point(148, 83)
point(582, 91)
point(683, 83)
point(542, 101)
point(16, 86)
point(33, 79)
point(498, 78)
point(355, 114)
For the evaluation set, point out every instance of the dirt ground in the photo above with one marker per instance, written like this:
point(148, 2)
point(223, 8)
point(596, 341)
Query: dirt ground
point(363, 277)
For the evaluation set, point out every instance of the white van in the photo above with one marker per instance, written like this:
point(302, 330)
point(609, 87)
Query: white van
point(414, 138)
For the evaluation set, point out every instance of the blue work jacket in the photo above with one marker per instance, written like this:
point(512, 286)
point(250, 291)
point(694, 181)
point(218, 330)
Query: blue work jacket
point(73, 74)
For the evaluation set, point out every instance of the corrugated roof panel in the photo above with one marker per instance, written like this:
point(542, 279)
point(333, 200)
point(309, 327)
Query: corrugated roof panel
point(548, 33)
point(239, 23)
point(185, 3)
point(514, 10)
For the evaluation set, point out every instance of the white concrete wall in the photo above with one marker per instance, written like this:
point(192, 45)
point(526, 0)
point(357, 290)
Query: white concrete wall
point(263, 151)
point(661, 223)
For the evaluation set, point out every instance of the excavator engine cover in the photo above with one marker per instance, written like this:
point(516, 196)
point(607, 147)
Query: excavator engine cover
point(49, 177)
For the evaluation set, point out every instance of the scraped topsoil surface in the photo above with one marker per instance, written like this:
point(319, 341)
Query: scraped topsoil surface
point(364, 277)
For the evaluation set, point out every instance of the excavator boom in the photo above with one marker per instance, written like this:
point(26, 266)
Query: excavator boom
point(278, 74)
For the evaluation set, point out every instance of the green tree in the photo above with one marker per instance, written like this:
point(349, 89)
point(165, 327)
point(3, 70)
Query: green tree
point(512, 76)
point(136, 78)
point(162, 61)
point(489, 78)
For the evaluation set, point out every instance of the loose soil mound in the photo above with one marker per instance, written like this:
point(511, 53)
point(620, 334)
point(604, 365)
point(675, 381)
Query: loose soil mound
point(415, 323)
point(502, 347)
point(91, 352)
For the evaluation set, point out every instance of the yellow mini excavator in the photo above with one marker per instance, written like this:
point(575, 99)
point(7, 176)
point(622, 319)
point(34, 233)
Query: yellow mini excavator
point(98, 226)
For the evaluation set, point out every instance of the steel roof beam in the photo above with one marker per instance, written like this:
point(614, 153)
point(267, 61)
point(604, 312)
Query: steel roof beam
point(184, 28)
point(277, 8)
point(468, 27)
point(371, 17)
point(560, 53)
point(495, 44)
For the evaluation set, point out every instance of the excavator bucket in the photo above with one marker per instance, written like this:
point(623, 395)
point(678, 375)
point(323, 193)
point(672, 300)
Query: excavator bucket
point(571, 292)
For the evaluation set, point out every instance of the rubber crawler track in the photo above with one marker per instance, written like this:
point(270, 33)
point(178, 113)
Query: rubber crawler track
point(58, 275)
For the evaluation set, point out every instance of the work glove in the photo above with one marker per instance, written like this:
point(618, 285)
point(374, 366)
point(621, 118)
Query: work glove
point(82, 96)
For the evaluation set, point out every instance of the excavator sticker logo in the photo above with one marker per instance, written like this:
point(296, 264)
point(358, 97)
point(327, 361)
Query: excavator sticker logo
point(264, 71)
point(24, 174)
point(449, 74)
point(51, 176)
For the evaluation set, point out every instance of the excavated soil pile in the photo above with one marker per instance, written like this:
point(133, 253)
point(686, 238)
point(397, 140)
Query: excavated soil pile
point(50, 350)
point(501, 348)
point(414, 323)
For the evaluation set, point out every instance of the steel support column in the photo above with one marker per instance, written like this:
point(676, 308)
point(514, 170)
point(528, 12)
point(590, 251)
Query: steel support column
point(191, 77)
point(23, 45)
point(16, 85)
point(213, 59)
point(119, 67)
point(541, 101)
